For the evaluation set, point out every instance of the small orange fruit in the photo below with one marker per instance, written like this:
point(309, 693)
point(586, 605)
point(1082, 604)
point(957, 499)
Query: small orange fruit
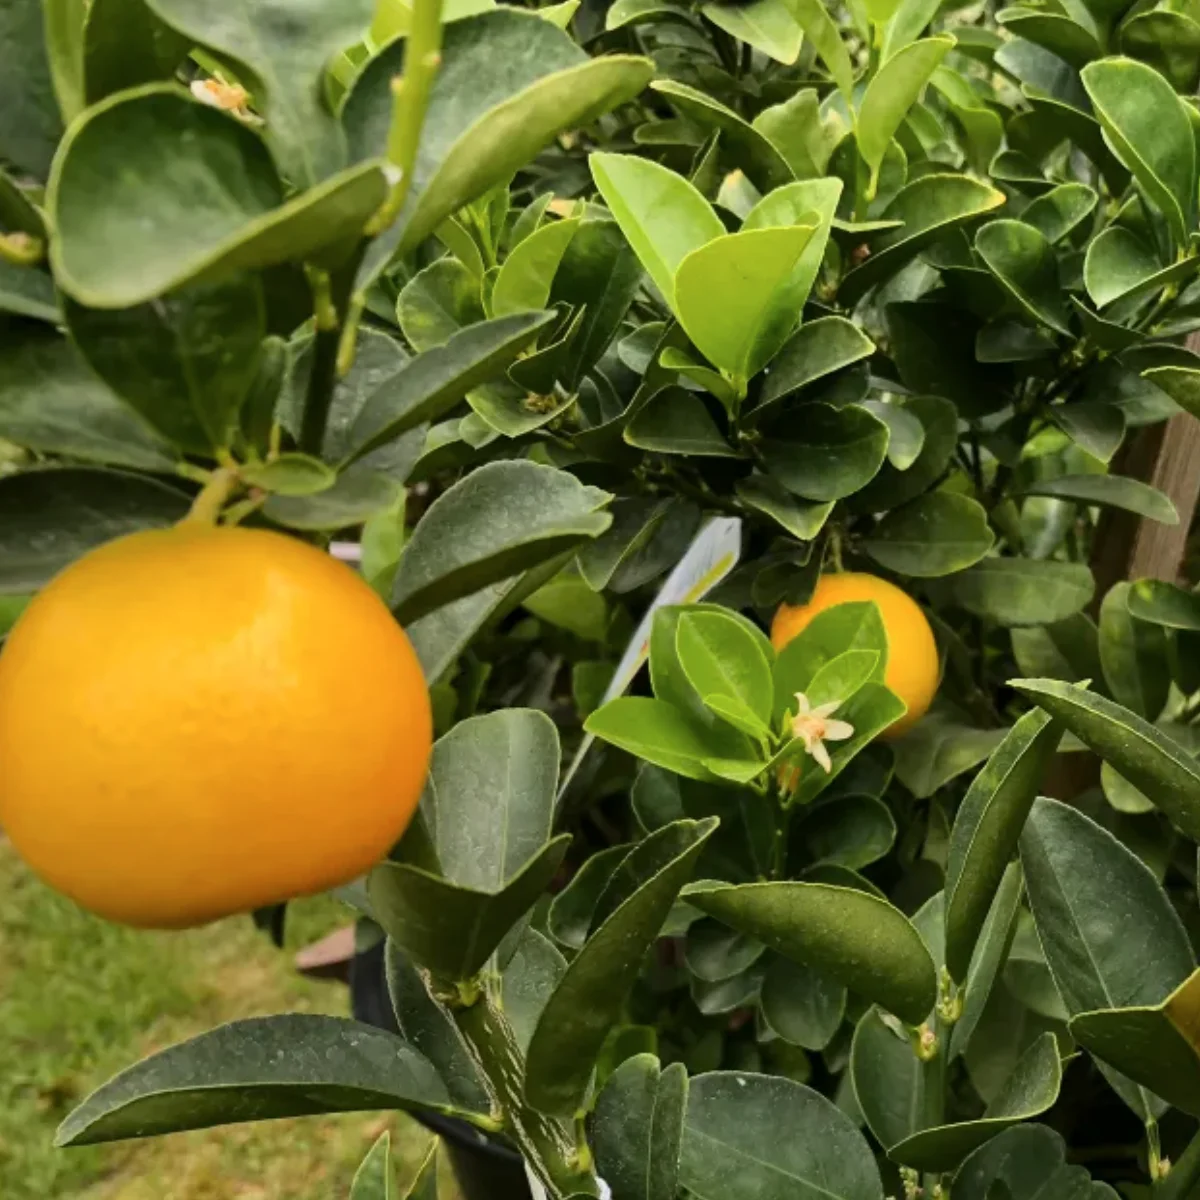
point(198, 721)
point(912, 669)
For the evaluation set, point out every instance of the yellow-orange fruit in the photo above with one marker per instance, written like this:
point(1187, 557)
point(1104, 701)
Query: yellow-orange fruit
point(912, 668)
point(198, 721)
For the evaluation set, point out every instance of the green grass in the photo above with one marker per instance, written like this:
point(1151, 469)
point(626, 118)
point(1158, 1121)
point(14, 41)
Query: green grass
point(80, 999)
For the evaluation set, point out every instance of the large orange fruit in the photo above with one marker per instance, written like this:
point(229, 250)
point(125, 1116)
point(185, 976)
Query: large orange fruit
point(198, 721)
point(912, 669)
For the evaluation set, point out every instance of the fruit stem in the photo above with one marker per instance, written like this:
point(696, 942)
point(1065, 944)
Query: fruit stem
point(206, 508)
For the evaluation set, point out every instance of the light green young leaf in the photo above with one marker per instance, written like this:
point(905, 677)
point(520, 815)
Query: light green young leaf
point(821, 29)
point(527, 275)
point(767, 25)
point(720, 658)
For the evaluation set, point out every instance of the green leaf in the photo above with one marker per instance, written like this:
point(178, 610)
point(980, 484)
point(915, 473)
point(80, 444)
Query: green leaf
point(507, 85)
point(64, 48)
point(196, 195)
point(1154, 763)
point(936, 534)
point(676, 421)
point(637, 1129)
point(525, 279)
point(850, 936)
point(720, 658)
point(1111, 491)
point(1154, 1045)
point(1110, 935)
point(661, 214)
point(30, 124)
point(437, 302)
point(927, 208)
point(429, 1029)
point(1120, 266)
point(647, 538)
point(501, 519)
point(1063, 35)
point(763, 1137)
point(822, 31)
point(185, 362)
point(1098, 428)
point(756, 155)
point(283, 49)
point(801, 1005)
point(838, 452)
point(431, 384)
point(885, 1074)
point(940, 747)
point(257, 1070)
point(124, 45)
point(714, 953)
point(991, 948)
point(767, 25)
point(1148, 129)
point(1164, 604)
point(569, 603)
point(354, 498)
point(815, 350)
point(801, 519)
point(1024, 591)
point(1169, 41)
point(987, 829)
point(27, 292)
point(1133, 656)
point(1023, 260)
point(739, 295)
point(1030, 1090)
point(375, 1178)
point(570, 915)
point(52, 517)
point(50, 402)
point(1027, 1161)
point(291, 474)
point(891, 93)
point(593, 992)
point(529, 979)
point(1061, 210)
point(892, 487)
point(852, 831)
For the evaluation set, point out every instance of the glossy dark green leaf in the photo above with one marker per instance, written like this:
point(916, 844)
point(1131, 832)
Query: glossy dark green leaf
point(1068, 649)
point(646, 538)
point(1164, 604)
point(802, 519)
point(714, 953)
point(283, 49)
point(637, 1129)
point(762, 163)
point(30, 123)
point(927, 208)
point(814, 351)
point(52, 517)
point(887, 1078)
point(1169, 41)
point(1133, 656)
point(508, 83)
point(892, 488)
point(499, 520)
point(940, 747)
point(196, 195)
point(437, 302)
point(185, 362)
point(676, 421)
point(1061, 210)
point(936, 534)
point(125, 44)
point(1121, 266)
point(1024, 262)
point(1097, 428)
point(1154, 763)
point(52, 403)
point(28, 292)
point(1154, 1045)
point(850, 936)
point(1024, 591)
point(853, 831)
point(987, 829)
point(838, 451)
point(1148, 129)
point(428, 1028)
point(529, 979)
point(590, 998)
point(801, 1005)
point(1030, 1090)
point(256, 1070)
point(1110, 935)
point(763, 1137)
point(1027, 1161)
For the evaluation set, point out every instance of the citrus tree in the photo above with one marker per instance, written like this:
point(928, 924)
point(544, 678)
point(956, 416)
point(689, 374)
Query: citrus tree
point(603, 336)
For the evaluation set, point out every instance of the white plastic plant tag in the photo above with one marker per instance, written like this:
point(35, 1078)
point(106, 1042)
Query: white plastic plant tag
point(714, 552)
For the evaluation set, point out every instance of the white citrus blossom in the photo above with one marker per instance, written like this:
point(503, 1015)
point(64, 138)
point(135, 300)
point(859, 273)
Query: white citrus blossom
point(815, 726)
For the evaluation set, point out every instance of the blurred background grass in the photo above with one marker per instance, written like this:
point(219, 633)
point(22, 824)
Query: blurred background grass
point(80, 999)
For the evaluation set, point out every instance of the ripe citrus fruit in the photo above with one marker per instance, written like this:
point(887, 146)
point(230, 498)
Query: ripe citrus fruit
point(912, 668)
point(198, 721)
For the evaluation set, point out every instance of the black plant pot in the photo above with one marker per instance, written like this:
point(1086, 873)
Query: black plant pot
point(485, 1169)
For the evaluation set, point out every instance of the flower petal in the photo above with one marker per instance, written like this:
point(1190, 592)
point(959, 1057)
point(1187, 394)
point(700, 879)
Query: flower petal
point(821, 756)
point(838, 731)
point(825, 710)
point(802, 705)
